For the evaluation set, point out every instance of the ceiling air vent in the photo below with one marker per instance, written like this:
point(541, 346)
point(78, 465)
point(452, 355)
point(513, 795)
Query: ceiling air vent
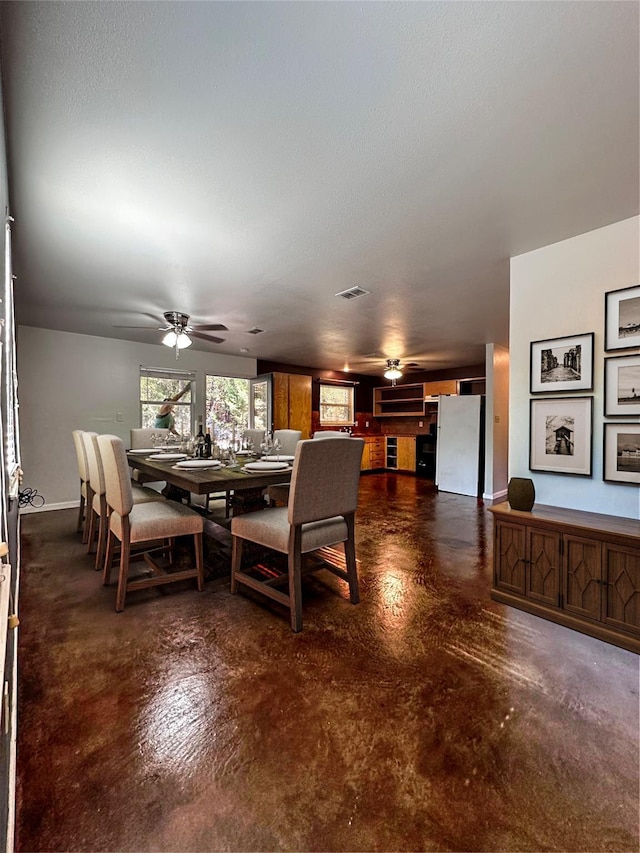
point(256, 331)
point(353, 293)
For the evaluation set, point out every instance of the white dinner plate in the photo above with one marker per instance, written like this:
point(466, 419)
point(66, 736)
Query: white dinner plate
point(282, 457)
point(167, 457)
point(266, 466)
point(244, 452)
point(143, 451)
point(198, 463)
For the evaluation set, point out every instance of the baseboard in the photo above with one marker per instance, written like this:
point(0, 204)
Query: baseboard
point(496, 496)
point(25, 510)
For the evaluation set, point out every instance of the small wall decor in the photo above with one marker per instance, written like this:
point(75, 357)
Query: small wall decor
point(562, 364)
point(622, 319)
point(560, 438)
point(622, 386)
point(622, 453)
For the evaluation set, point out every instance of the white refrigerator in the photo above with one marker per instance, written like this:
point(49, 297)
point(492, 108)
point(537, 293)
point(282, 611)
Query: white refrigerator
point(460, 445)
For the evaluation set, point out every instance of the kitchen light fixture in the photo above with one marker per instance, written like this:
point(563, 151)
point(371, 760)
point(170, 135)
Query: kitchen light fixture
point(178, 339)
point(393, 371)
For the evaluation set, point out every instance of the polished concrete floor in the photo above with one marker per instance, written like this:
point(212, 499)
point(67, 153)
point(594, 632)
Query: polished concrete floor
point(425, 718)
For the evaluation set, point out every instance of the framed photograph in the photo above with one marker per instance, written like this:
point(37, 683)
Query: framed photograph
point(560, 437)
point(622, 386)
point(622, 453)
point(562, 364)
point(622, 319)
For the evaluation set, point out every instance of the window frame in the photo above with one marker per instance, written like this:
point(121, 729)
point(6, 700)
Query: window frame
point(180, 377)
point(351, 405)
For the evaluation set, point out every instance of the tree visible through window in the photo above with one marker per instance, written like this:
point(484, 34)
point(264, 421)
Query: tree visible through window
point(155, 386)
point(336, 405)
point(227, 408)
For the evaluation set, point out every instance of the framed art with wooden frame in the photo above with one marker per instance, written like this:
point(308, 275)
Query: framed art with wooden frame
point(560, 435)
point(622, 453)
point(622, 386)
point(562, 364)
point(622, 319)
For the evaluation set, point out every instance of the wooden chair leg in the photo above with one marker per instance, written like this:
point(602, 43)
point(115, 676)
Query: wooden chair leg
point(108, 559)
point(102, 543)
point(80, 513)
point(123, 576)
point(294, 562)
point(197, 541)
point(350, 560)
point(91, 533)
point(236, 561)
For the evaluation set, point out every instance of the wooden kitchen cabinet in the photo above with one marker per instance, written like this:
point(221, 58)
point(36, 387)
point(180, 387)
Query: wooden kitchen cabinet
point(373, 454)
point(281, 401)
point(398, 400)
point(406, 458)
point(443, 386)
point(579, 569)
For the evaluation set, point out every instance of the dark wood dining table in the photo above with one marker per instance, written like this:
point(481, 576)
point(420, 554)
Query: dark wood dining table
point(247, 488)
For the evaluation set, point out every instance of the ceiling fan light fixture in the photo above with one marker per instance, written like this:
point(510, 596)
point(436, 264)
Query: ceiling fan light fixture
point(180, 340)
point(393, 371)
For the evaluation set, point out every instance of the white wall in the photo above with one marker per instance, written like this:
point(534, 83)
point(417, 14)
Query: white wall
point(497, 422)
point(558, 291)
point(68, 382)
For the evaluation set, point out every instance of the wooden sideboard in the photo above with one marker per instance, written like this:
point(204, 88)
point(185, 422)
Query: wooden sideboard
point(580, 569)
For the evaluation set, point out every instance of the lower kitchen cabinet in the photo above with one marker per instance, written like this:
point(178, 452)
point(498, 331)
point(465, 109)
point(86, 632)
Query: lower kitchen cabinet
point(406, 453)
point(579, 569)
point(373, 454)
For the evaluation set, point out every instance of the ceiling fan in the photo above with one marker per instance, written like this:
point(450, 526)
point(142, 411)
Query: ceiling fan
point(178, 331)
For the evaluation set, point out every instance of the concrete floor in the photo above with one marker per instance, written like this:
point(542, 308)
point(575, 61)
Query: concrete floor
point(425, 718)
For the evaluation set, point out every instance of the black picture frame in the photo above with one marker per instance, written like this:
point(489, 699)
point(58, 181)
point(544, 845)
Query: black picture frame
point(622, 319)
point(622, 386)
point(561, 435)
point(621, 453)
point(561, 365)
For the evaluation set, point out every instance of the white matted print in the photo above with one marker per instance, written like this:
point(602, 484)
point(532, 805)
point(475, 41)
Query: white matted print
point(562, 364)
point(622, 319)
point(560, 439)
point(622, 386)
point(622, 453)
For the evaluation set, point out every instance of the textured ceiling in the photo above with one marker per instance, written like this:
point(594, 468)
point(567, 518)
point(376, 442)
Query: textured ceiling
point(243, 162)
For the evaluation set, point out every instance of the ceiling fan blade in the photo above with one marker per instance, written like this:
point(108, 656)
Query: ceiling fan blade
point(211, 338)
point(214, 327)
point(149, 328)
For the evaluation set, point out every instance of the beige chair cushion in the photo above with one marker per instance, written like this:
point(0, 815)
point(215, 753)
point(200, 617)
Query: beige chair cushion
point(326, 470)
point(158, 520)
point(80, 454)
point(288, 438)
point(270, 527)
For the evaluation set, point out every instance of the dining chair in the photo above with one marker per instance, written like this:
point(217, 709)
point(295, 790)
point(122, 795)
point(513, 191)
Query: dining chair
point(143, 524)
point(139, 438)
point(255, 436)
point(288, 439)
point(97, 510)
point(329, 433)
point(320, 512)
point(82, 471)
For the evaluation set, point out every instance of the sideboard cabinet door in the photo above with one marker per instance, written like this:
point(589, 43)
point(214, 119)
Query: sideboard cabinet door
point(583, 576)
point(510, 556)
point(543, 566)
point(622, 588)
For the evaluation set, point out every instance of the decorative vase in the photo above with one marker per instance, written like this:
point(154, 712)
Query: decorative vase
point(521, 493)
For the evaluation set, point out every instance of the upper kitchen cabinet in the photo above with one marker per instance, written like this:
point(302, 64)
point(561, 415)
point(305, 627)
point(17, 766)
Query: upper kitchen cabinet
point(281, 401)
point(398, 400)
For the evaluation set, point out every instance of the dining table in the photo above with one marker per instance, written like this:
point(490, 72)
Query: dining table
point(247, 487)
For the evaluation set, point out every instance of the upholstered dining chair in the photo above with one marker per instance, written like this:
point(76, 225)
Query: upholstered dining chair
point(97, 511)
point(141, 437)
point(288, 439)
point(82, 471)
point(321, 512)
point(329, 433)
point(255, 436)
point(143, 524)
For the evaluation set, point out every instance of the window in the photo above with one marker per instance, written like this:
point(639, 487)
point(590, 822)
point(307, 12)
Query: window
point(227, 408)
point(336, 405)
point(156, 384)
